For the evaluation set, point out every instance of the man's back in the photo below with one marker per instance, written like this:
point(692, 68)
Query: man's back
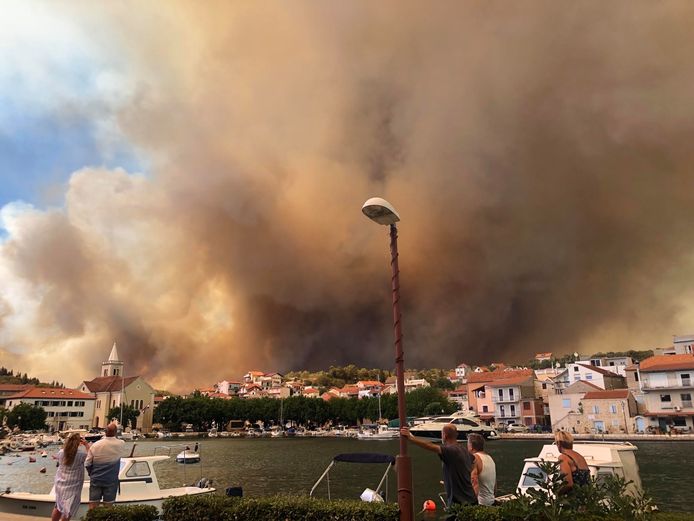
point(457, 467)
point(103, 459)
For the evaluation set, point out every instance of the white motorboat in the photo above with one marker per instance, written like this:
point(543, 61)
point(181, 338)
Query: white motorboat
point(382, 433)
point(603, 459)
point(463, 421)
point(138, 485)
point(188, 456)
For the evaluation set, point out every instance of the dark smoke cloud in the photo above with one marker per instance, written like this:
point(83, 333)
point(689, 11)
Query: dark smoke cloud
point(539, 155)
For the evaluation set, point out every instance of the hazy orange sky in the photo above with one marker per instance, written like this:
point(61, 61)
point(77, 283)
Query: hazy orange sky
point(186, 178)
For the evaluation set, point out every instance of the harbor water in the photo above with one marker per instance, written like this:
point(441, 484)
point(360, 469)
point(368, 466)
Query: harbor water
point(264, 466)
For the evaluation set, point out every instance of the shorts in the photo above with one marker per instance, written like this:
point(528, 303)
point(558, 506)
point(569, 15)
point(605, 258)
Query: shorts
point(107, 492)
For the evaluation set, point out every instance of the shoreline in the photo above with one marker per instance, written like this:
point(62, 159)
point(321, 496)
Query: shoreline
point(599, 437)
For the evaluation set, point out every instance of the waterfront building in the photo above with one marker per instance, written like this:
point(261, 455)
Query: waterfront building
point(65, 408)
point(599, 376)
point(10, 389)
point(113, 389)
point(369, 388)
point(310, 392)
point(663, 385)
point(515, 402)
point(565, 405)
point(609, 411)
point(479, 392)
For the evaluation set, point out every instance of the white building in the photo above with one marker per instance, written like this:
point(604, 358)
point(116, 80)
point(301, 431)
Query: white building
point(66, 408)
point(616, 364)
point(112, 389)
point(565, 409)
point(461, 372)
point(598, 376)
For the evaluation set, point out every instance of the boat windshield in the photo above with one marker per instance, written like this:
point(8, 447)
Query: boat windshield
point(533, 475)
point(442, 420)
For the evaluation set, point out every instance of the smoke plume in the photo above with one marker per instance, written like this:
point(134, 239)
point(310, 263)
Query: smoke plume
point(539, 155)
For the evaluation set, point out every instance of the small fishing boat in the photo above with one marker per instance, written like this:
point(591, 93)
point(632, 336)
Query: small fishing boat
point(369, 495)
point(138, 486)
point(188, 456)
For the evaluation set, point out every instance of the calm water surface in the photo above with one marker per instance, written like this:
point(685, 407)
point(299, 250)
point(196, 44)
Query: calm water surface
point(292, 465)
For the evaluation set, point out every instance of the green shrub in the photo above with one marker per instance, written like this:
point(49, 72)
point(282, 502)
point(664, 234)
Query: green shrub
point(674, 516)
point(123, 513)
point(286, 508)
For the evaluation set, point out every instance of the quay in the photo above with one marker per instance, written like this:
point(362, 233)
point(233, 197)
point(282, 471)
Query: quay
point(599, 437)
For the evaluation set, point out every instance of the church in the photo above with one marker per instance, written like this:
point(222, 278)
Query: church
point(112, 388)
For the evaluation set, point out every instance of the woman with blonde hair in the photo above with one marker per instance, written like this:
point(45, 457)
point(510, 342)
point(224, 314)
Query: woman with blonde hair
point(69, 478)
point(572, 465)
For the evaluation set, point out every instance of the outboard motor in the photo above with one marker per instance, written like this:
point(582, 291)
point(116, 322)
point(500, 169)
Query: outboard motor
point(204, 483)
point(234, 491)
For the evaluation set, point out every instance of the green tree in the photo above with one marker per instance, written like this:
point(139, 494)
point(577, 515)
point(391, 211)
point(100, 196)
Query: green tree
point(27, 417)
point(130, 415)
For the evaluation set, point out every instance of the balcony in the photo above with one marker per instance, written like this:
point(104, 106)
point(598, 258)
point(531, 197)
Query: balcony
point(686, 404)
point(506, 415)
point(505, 399)
point(671, 383)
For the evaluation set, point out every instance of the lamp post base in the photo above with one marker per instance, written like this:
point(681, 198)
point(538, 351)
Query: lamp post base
point(403, 465)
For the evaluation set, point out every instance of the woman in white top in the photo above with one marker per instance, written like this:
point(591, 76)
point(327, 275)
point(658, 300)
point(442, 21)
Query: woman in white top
point(483, 471)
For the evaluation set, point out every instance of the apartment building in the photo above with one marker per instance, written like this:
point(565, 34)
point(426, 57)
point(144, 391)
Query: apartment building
point(664, 385)
point(565, 406)
point(514, 399)
point(599, 376)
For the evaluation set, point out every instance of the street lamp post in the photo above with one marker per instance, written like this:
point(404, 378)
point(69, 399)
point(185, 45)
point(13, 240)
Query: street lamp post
point(382, 212)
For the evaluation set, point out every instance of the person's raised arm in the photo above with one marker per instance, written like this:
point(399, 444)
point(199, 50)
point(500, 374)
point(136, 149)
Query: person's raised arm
point(420, 443)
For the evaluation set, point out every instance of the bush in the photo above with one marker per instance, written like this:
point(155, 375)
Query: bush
point(123, 513)
point(286, 508)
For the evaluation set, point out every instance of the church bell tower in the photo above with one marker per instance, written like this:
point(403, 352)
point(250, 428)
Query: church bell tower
point(113, 366)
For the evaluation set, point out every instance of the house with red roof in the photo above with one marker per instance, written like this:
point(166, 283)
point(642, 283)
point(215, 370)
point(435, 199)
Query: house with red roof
point(663, 386)
point(565, 409)
point(480, 394)
point(603, 378)
point(65, 408)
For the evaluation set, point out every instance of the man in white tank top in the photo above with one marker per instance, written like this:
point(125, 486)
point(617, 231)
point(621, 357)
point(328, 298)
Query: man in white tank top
point(483, 470)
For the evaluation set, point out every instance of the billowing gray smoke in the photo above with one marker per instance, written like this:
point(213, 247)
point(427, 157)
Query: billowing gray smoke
point(539, 154)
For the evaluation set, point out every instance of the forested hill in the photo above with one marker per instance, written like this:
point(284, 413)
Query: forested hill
point(7, 376)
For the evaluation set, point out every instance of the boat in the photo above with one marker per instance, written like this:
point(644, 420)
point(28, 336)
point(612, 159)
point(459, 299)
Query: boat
point(382, 433)
point(188, 456)
point(138, 485)
point(603, 458)
point(463, 421)
point(369, 495)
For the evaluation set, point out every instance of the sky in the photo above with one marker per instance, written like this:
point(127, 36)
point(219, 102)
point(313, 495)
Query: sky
point(187, 180)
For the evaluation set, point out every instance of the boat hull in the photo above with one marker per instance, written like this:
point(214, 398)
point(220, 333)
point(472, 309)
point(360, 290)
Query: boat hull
point(435, 434)
point(41, 505)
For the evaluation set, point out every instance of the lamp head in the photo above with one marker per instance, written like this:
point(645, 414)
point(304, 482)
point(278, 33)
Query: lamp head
point(380, 211)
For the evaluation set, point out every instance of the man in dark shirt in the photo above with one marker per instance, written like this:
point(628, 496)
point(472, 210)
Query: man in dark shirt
point(457, 464)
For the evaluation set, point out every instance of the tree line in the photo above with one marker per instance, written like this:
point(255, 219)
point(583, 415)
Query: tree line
point(7, 376)
point(201, 411)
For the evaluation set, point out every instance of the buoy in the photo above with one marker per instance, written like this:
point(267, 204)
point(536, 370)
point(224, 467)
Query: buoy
point(429, 506)
point(43, 470)
point(44, 454)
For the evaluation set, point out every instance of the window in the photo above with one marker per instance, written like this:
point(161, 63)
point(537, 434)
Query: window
point(589, 376)
point(595, 409)
point(575, 369)
point(566, 403)
point(69, 404)
point(613, 408)
point(526, 406)
point(615, 423)
point(686, 400)
point(544, 386)
point(513, 410)
point(485, 408)
point(534, 476)
point(665, 398)
point(501, 394)
point(636, 376)
point(510, 394)
point(685, 379)
point(679, 421)
point(138, 469)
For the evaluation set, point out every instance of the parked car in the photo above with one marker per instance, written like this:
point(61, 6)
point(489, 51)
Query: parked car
point(540, 428)
point(517, 427)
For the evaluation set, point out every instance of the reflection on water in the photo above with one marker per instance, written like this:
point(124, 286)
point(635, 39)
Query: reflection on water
point(266, 466)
